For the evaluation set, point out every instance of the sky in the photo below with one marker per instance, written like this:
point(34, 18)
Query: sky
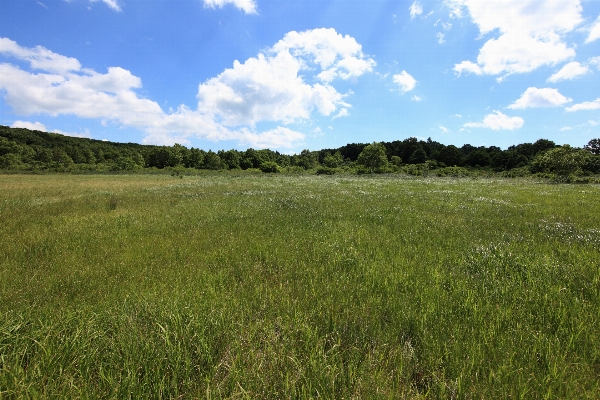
point(295, 74)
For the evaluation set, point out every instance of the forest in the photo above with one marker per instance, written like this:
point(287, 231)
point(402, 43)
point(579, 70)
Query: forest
point(26, 150)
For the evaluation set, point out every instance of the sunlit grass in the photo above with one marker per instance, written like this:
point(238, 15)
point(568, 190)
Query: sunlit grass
point(265, 286)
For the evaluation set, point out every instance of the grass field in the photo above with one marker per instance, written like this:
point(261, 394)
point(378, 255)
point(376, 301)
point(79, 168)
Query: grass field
point(272, 286)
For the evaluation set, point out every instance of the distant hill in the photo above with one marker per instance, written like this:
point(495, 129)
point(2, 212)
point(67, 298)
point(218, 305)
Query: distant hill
point(27, 150)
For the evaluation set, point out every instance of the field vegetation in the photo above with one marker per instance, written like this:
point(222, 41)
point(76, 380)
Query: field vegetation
point(253, 285)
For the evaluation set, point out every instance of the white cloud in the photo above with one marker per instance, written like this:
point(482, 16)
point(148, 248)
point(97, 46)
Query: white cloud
point(405, 81)
point(447, 26)
point(497, 121)
point(440, 37)
point(595, 61)
point(586, 105)
point(272, 87)
point(444, 129)
point(33, 126)
point(38, 126)
point(248, 6)
point(114, 4)
point(570, 71)
point(42, 4)
point(415, 9)
point(529, 33)
point(468, 66)
point(39, 57)
point(540, 98)
point(594, 31)
point(455, 7)
point(343, 113)
point(416, 98)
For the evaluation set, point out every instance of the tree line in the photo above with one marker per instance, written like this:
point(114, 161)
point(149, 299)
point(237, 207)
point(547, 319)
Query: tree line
point(23, 149)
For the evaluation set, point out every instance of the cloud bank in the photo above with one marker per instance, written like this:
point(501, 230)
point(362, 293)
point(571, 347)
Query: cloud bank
point(285, 84)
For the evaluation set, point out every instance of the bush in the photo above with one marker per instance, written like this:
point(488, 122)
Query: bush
point(458, 172)
point(269, 167)
point(564, 162)
point(325, 171)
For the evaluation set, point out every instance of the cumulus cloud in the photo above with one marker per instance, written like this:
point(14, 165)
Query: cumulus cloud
point(416, 98)
point(586, 105)
point(38, 126)
point(405, 81)
point(497, 122)
point(39, 57)
point(540, 98)
point(272, 87)
point(529, 33)
point(594, 31)
point(570, 71)
point(440, 37)
point(34, 126)
point(415, 9)
point(248, 6)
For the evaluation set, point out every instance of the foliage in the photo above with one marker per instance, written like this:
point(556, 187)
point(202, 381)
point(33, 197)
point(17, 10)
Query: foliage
point(565, 161)
point(325, 171)
point(25, 150)
point(333, 161)
point(269, 167)
point(593, 146)
point(373, 158)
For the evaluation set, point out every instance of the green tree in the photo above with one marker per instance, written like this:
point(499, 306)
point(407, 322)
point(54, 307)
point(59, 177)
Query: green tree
point(195, 158)
point(10, 161)
point(450, 155)
point(565, 161)
point(373, 157)
point(231, 158)
point(593, 146)
point(307, 159)
point(396, 160)
point(418, 156)
point(333, 161)
point(212, 160)
point(478, 158)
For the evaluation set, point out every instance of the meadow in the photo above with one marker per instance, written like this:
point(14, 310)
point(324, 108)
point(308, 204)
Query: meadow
point(249, 285)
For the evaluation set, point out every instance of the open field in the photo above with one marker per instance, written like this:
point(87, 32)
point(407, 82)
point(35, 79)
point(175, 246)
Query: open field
point(270, 286)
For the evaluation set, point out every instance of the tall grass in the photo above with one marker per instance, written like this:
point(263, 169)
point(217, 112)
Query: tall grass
point(258, 286)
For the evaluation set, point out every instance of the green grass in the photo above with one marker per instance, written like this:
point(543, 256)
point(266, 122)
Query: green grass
point(270, 286)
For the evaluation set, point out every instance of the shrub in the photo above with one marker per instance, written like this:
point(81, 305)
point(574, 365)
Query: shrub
point(269, 167)
point(325, 171)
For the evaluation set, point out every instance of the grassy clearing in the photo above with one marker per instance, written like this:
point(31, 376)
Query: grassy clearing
point(259, 286)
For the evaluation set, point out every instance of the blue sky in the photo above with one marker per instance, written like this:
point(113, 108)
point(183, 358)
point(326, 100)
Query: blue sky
point(291, 75)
